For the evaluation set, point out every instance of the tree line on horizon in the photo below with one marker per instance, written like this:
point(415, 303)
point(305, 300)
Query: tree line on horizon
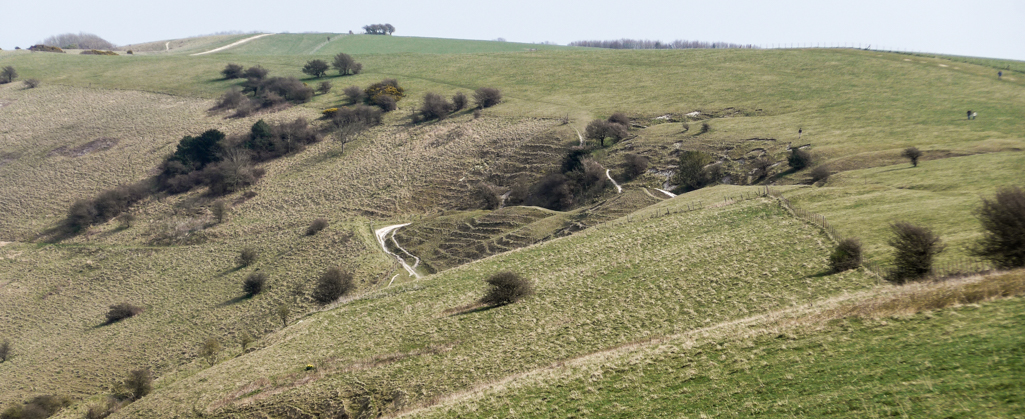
point(81, 40)
point(379, 29)
point(649, 44)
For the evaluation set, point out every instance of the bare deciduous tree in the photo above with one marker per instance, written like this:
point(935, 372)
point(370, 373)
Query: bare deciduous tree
point(346, 65)
point(8, 74)
point(912, 153)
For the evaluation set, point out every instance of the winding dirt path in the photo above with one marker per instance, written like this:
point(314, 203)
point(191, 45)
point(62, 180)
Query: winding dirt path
point(670, 194)
point(619, 189)
point(232, 45)
point(318, 47)
point(382, 236)
point(581, 137)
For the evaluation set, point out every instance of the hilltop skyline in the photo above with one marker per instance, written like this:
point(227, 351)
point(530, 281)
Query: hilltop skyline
point(984, 29)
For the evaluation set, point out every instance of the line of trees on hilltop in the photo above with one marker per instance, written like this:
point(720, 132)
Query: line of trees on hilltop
point(81, 40)
point(379, 29)
point(648, 44)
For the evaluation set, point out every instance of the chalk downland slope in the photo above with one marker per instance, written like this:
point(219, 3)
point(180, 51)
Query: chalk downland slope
point(597, 289)
point(646, 266)
point(951, 362)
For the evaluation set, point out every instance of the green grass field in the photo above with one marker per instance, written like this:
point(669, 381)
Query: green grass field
point(637, 267)
point(595, 293)
point(319, 44)
point(955, 363)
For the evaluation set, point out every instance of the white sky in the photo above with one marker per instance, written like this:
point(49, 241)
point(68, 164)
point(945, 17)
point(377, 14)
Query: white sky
point(985, 28)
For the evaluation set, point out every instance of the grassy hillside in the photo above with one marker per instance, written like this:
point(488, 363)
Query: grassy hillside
point(945, 363)
point(633, 266)
point(320, 44)
point(184, 46)
point(609, 286)
point(89, 140)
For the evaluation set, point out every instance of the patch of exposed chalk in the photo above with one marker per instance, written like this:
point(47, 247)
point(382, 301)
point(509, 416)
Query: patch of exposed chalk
point(232, 45)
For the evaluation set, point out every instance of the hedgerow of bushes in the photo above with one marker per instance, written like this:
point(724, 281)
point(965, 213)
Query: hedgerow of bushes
point(261, 92)
point(45, 48)
point(97, 52)
point(39, 407)
point(224, 164)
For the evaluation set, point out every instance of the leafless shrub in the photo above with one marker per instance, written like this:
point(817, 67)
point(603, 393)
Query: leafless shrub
point(39, 407)
point(846, 256)
point(354, 93)
point(139, 383)
point(231, 99)
point(346, 65)
point(387, 103)
point(691, 173)
point(80, 40)
point(1003, 219)
point(435, 106)
point(705, 128)
point(819, 173)
point(912, 154)
point(255, 73)
point(316, 68)
point(245, 339)
point(31, 83)
point(324, 87)
point(316, 226)
point(619, 118)
point(486, 97)
point(8, 74)
point(233, 71)
point(5, 350)
point(458, 101)
point(799, 159)
point(219, 210)
point(636, 165)
point(283, 312)
point(349, 122)
point(121, 311)
point(485, 196)
point(102, 410)
point(333, 284)
point(600, 129)
point(253, 284)
point(760, 168)
point(247, 256)
point(554, 191)
point(506, 288)
point(209, 350)
point(125, 221)
point(914, 250)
